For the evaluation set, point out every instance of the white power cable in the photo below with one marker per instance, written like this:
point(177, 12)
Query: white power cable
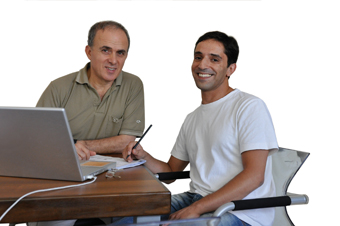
point(43, 190)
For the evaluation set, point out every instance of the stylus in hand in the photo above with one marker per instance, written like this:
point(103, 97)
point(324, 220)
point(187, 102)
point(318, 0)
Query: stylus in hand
point(139, 140)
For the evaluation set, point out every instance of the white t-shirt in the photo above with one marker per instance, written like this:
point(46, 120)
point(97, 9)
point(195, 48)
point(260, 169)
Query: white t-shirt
point(214, 136)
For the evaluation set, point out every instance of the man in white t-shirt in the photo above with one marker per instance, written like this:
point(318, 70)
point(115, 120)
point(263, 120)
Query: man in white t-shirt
point(228, 141)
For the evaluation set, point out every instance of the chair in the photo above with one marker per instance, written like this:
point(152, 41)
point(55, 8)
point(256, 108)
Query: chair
point(286, 163)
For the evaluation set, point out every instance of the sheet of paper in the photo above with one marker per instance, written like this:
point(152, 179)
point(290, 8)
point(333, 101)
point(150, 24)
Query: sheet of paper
point(120, 162)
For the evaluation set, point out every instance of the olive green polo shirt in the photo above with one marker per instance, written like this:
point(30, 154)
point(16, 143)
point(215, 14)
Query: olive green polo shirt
point(121, 111)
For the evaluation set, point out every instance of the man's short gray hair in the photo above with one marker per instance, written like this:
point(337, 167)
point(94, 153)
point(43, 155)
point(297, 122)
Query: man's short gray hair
point(101, 26)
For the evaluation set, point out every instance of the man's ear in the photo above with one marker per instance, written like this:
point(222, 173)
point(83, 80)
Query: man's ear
point(88, 51)
point(231, 69)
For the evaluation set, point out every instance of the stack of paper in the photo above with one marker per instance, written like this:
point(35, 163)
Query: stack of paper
point(120, 162)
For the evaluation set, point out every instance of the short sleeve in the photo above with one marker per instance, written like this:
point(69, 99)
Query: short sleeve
point(256, 129)
point(179, 150)
point(57, 92)
point(134, 118)
point(49, 98)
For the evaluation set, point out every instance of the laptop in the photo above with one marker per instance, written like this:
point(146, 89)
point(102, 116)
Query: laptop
point(38, 143)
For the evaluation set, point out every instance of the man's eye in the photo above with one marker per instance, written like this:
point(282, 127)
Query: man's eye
point(214, 60)
point(105, 51)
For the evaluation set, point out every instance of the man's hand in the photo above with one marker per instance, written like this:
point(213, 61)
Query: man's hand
point(138, 153)
point(185, 213)
point(83, 152)
point(154, 165)
point(109, 145)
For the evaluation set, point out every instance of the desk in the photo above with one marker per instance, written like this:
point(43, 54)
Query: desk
point(136, 193)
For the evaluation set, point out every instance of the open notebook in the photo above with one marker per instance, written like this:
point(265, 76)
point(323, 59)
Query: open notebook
point(38, 143)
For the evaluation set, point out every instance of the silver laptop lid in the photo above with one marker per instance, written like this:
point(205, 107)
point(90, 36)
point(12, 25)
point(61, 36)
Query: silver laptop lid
point(37, 142)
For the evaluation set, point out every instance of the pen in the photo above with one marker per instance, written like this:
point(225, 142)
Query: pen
point(139, 140)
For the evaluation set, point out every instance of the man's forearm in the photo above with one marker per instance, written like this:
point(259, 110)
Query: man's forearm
point(236, 189)
point(155, 165)
point(109, 145)
point(252, 177)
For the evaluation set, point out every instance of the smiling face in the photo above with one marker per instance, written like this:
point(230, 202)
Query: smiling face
point(107, 55)
point(210, 68)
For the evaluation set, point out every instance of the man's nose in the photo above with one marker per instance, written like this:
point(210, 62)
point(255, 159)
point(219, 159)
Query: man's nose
point(113, 58)
point(203, 64)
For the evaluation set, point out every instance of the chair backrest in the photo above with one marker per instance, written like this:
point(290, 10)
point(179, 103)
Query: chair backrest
point(286, 163)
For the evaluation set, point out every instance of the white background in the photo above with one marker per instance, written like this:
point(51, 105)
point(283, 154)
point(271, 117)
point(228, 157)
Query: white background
point(289, 53)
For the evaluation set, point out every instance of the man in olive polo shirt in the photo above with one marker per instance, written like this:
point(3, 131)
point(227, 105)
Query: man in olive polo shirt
point(104, 105)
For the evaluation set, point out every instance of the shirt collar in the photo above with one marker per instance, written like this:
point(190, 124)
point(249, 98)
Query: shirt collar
point(83, 79)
